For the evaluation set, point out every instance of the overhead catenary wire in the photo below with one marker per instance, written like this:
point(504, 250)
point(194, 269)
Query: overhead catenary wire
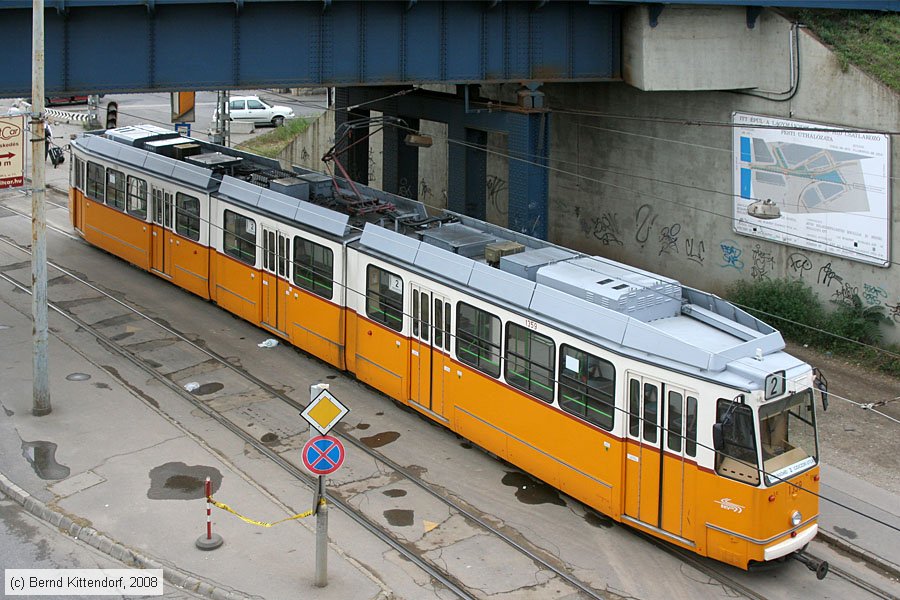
point(658, 197)
point(625, 188)
point(622, 410)
point(602, 182)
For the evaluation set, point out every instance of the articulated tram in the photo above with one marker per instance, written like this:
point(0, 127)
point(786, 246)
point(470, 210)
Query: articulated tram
point(662, 406)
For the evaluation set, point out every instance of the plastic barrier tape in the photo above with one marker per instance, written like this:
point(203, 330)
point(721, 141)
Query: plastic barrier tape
point(227, 508)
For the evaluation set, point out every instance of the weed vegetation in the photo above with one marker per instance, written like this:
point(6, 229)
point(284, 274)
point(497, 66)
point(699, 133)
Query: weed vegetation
point(272, 143)
point(851, 329)
point(868, 39)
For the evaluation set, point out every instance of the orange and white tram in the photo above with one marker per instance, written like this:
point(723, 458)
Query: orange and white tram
point(662, 406)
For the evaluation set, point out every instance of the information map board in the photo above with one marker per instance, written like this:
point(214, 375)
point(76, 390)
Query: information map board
point(832, 186)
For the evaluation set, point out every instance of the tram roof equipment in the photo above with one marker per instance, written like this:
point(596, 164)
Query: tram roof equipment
point(636, 312)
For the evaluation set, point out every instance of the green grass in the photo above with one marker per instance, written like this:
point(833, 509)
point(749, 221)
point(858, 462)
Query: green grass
point(272, 143)
point(868, 39)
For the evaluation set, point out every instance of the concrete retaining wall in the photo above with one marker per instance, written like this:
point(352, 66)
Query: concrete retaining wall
point(658, 195)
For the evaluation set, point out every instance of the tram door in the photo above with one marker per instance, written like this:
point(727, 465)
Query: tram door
point(643, 463)
point(429, 349)
point(679, 475)
point(160, 236)
point(276, 265)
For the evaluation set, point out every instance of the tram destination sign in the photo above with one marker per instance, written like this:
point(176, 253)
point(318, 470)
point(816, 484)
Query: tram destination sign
point(12, 151)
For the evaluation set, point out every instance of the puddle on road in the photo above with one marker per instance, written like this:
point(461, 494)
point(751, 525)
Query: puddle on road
point(331, 377)
point(78, 377)
point(532, 491)
point(380, 439)
point(399, 517)
point(598, 520)
point(394, 493)
point(208, 388)
point(363, 426)
point(102, 386)
point(269, 438)
point(8, 412)
point(42, 457)
point(178, 481)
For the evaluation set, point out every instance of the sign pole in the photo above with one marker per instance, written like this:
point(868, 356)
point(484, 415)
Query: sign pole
point(322, 536)
point(40, 377)
point(322, 455)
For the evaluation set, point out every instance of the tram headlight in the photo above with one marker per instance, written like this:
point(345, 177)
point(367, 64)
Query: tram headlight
point(796, 518)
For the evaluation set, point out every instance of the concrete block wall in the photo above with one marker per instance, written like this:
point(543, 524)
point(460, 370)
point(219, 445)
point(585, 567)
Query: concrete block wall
point(658, 195)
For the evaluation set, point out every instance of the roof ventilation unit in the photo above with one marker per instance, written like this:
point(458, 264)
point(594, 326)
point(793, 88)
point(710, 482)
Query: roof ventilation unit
point(634, 292)
point(527, 264)
point(459, 239)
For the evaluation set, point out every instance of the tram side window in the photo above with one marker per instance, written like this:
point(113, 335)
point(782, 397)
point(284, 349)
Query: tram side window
point(187, 216)
point(384, 297)
point(79, 173)
point(478, 339)
point(137, 197)
point(737, 457)
point(586, 385)
point(314, 267)
point(239, 237)
point(674, 427)
point(96, 182)
point(529, 361)
point(690, 427)
point(634, 408)
point(115, 189)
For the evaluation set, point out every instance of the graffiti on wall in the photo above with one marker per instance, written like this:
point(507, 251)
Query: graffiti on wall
point(873, 294)
point(644, 219)
point(731, 255)
point(495, 188)
point(606, 229)
point(798, 264)
point(827, 275)
point(763, 263)
point(668, 239)
point(695, 250)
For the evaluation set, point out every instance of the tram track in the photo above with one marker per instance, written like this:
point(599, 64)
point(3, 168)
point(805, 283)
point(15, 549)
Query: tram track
point(153, 369)
point(404, 548)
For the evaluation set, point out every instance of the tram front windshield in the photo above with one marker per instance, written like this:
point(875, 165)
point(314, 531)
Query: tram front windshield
point(787, 430)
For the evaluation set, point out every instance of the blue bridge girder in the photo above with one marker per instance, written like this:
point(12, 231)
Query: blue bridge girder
point(183, 45)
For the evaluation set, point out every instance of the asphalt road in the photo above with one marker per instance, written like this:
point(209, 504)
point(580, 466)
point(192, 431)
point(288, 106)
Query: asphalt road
point(155, 108)
point(27, 542)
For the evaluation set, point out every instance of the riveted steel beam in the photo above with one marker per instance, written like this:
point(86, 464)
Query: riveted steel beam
point(169, 45)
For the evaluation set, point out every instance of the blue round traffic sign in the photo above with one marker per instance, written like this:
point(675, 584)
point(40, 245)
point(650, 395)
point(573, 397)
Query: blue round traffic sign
point(323, 454)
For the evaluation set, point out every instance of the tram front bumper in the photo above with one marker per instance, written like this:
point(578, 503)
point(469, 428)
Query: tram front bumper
point(791, 544)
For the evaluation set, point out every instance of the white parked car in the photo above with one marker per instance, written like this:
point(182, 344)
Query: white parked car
point(257, 110)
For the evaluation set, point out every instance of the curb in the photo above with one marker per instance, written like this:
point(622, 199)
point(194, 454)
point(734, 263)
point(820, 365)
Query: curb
point(866, 556)
point(97, 540)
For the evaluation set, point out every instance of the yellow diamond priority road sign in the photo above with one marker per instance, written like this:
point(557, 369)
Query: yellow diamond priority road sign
point(324, 412)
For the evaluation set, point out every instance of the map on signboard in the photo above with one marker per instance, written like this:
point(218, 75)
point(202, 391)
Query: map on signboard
point(831, 186)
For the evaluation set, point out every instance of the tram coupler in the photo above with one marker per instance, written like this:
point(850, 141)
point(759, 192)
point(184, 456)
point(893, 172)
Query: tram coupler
point(813, 564)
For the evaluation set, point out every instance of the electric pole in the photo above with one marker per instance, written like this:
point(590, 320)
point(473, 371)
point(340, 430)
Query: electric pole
point(41, 384)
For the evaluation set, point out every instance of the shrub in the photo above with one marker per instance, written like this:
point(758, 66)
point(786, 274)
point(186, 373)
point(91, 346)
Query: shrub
point(787, 304)
point(854, 321)
point(795, 310)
